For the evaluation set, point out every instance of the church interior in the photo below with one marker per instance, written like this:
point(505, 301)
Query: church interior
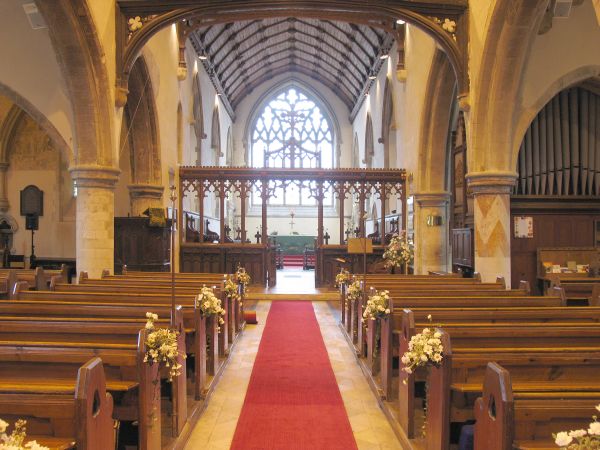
point(299, 225)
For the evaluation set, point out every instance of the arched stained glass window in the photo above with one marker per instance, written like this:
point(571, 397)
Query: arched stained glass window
point(292, 131)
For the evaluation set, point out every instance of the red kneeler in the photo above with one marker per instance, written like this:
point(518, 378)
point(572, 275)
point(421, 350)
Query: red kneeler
point(250, 317)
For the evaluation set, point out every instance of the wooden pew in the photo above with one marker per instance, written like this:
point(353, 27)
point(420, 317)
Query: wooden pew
point(578, 289)
point(421, 286)
point(545, 355)
point(448, 316)
point(8, 278)
point(509, 418)
point(197, 327)
point(447, 300)
point(63, 413)
point(35, 278)
point(94, 333)
point(235, 310)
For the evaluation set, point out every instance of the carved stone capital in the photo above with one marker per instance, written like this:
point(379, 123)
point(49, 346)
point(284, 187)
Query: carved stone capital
point(491, 182)
point(432, 199)
point(91, 176)
point(149, 191)
point(121, 93)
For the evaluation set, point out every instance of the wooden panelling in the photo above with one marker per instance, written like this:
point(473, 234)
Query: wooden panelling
point(554, 228)
point(140, 246)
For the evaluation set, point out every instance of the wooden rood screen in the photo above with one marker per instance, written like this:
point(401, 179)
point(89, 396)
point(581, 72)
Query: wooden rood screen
point(199, 252)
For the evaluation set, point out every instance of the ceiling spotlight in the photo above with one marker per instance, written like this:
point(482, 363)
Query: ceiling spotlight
point(400, 22)
point(203, 56)
point(372, 75)
point(384, 55)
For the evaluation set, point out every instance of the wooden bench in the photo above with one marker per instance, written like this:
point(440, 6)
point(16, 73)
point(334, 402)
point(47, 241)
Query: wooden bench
point(122, 354)
point(444, 300)
point(62, 413)
point(200, 331)
point(578, 289)
point(557, 353)
point(388, 347)
point(525, 419)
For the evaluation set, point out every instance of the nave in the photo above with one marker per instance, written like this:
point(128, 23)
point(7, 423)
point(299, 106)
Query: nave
point(216, 427)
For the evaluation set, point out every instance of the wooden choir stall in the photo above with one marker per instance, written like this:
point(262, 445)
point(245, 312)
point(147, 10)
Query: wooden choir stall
point(206, 248)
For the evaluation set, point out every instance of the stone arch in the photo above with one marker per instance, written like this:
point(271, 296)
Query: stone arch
point(198, 115)
point(512, 30)
point(567, 80)
point(215, 136)
point(435, 125)
point(369, 144)
point(142, 133)
point(380, 14)
point(81, 59)
point(387, 119)
point(55, 136)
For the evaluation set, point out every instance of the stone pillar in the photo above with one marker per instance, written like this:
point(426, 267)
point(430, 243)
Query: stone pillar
point(491, 208)
point(95, 218)
point(144, 196)
point(432, 249)
point(3, 190)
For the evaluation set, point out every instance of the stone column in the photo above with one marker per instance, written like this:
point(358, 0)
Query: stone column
point(95, 218)
point(144, 196)
point(432, 249)
point(3, 190)
point(491, 208)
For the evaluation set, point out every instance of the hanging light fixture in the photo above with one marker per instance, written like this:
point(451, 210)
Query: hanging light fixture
point(400, 22)
point(384, 54)
point(203, 56)
point(372, 75)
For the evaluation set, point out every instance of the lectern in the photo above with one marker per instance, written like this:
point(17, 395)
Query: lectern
point(357, 246)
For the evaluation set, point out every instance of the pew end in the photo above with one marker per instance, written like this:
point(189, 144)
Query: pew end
point(477, 276)
point(595, 297)
point(558, 291)
point(501, 281)
point(93, 408)
point(406, 391)
point(83, 275)
point(494, 411)
point(40, 279)
point(525, 287)
point(18, 287)
point(105, 273)
point(438, 382)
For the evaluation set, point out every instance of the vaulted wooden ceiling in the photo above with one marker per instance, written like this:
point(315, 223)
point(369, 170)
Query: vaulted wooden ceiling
point(244, 54)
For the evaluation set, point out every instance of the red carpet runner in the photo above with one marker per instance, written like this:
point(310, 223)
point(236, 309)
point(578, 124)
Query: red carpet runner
point(293, 401)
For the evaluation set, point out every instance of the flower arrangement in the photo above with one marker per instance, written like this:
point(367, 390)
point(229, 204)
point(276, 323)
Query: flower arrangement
point(354, 291)
point(231, 289)
point(242, 277)
point(398, 251)
point(580, 439)
point(161, 346)
point(377, 305)
point(425, 348)
point(209, 304)
point(16, 440)
point(342, 278)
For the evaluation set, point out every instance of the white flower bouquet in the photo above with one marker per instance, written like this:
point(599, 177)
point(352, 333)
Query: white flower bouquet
point(209, 304)
point(242, 277)
point(377, 305)
point(354, 291)
point(398, 252)
point(162, 346)
point(580, 439)
point(425, 348)
point(16, 439)
point(342, 278)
